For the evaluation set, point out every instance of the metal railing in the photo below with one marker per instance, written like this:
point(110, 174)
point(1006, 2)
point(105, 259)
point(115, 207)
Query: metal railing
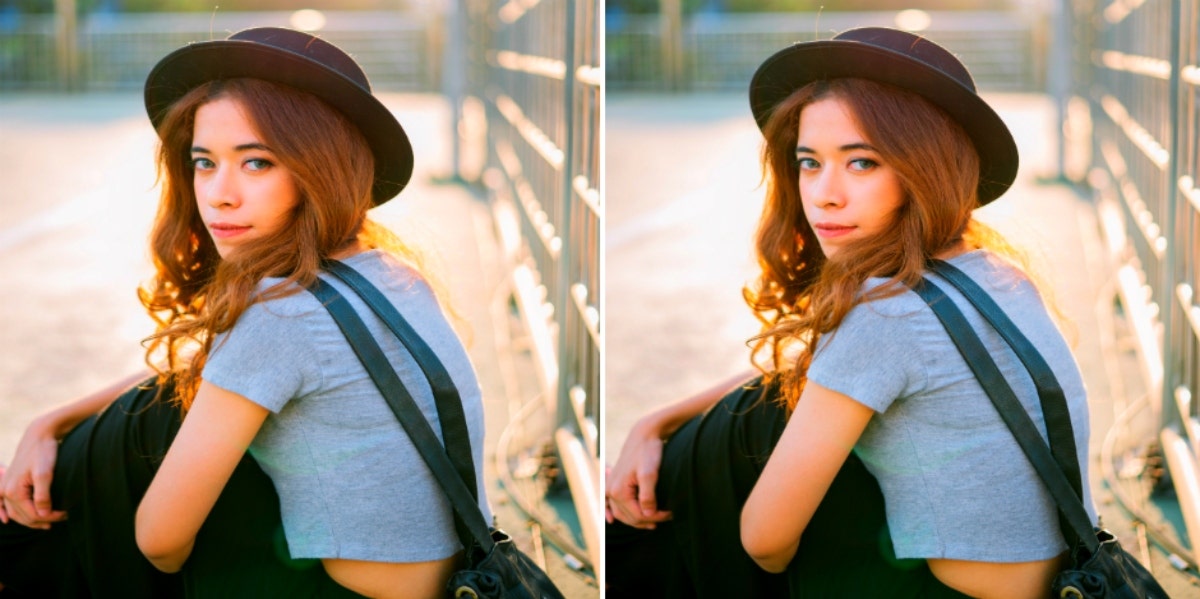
point(399, 51)
point(721, 51)
point(1133, 134)
point(532, 95)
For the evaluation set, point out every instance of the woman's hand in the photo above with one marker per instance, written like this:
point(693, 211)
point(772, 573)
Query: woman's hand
point(3, 513)
point(630, 483)
point(25, 483)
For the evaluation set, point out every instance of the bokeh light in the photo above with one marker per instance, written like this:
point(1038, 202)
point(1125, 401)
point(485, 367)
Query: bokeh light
point(307, 19)
point(913, 19)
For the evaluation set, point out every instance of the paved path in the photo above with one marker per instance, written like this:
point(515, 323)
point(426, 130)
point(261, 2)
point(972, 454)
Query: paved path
point(682, 198)
point(76, 200)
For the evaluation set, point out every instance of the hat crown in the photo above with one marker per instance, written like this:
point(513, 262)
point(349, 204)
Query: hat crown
point(914, 47)
point(302, 62)
point(308, 46)
point(902, 60)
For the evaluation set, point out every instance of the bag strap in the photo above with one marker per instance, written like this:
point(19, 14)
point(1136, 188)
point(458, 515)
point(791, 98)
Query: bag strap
point(449, 402)
point(1050, 393)
point(1078, 524)
point(398, 398)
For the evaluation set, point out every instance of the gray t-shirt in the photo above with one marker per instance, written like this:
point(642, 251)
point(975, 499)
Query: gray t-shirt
point(954, 480)
point(351, 484)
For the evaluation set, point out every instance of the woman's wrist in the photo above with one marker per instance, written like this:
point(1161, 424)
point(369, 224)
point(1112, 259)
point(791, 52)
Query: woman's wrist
point(660, 424)
point(55, 423)
point(63, 419)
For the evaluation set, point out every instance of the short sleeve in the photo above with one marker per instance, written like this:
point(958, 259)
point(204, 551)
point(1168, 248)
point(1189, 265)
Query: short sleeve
point(267, 356)
point(873, 356)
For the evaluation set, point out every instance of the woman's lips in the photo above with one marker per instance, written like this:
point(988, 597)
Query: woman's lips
point(226, 230)
point(830, 230)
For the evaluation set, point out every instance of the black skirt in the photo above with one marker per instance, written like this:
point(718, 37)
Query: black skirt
point(104, 468)
point(708, 468)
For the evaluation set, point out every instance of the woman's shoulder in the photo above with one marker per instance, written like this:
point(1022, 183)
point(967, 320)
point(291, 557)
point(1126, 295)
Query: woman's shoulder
point(997, 275)
point(381, 268)
point(885, 297)
point(982, 265)
point(387, 271)
point(984, 261)
point(277, 297)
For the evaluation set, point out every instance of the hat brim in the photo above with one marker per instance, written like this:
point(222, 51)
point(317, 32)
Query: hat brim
point(193, 65)
point(796, 66)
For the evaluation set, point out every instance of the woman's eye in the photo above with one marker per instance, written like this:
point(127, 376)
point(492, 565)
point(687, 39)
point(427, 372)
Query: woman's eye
point(863, 164)
point(807, 164)
point(202, 164)
point(257, 164)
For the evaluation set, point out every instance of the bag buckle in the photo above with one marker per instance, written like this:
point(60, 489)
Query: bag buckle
point(1070, 593)
point(469, 593)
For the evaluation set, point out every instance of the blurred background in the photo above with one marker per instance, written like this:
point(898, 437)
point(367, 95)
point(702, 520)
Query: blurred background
point(501, 99)
point(1103, 98)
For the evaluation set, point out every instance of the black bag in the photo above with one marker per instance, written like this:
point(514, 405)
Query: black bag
point(495, 567)
point(1108, 571)
point(502, 572)
point(1099, 567)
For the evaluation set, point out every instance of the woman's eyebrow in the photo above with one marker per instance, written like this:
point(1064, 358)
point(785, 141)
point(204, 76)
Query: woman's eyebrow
point(845, 148)
point(239, 148)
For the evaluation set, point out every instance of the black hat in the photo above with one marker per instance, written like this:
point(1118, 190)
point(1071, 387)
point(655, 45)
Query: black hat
point(298, 60)
point(903, 60)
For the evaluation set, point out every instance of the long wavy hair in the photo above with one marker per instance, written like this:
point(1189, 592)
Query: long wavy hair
point(800, 294)
point(194, 293)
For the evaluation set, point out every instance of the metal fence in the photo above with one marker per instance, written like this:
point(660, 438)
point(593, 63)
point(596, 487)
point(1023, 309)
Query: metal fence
point(533, 99)
point(1133, 134)
point(720, 51)
point(399, 51)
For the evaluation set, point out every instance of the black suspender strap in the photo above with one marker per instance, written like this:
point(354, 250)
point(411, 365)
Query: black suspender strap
point(1077, 523)
point(463, 498)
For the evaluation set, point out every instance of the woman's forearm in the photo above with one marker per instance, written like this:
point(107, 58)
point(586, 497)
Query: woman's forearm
point(630, 483)
point(63, 419)
point(25, 484)
point(665, 421)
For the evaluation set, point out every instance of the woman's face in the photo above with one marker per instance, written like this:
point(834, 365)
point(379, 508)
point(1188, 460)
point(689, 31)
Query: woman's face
point(242, 191)
point(848, 193)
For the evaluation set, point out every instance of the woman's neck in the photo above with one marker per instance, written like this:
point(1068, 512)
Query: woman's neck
point(351, 249)
point(959, 248)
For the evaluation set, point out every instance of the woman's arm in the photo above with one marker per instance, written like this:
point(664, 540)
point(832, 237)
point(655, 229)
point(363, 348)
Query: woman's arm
point(630, 482)
point(818, 438)
point(25, 486)
point(212, 440)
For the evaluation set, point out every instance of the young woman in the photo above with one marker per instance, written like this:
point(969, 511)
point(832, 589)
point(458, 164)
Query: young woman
point(272, 151)
point(877, 150)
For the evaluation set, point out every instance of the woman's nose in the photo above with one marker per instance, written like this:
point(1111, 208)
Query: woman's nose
point(220, 189)
point(826, 189)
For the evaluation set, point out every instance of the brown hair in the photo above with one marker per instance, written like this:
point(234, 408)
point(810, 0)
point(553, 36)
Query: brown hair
point(196, 294)
point(800, 294)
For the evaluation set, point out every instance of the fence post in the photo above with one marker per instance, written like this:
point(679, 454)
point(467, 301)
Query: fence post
point(1168, 275)
point(454, 75)
point(672, 43)
point(1058, 75)
point(66, 44)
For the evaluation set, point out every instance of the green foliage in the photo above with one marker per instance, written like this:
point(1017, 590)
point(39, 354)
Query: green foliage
point(90, 6)
point(692, 6)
